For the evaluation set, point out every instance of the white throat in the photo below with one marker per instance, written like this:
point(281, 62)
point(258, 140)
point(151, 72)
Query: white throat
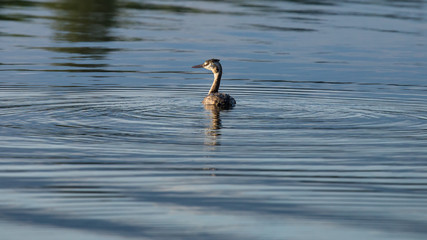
point(217, 71)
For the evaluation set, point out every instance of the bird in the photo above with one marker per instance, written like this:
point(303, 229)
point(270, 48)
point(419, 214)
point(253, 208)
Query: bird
point(215, 98)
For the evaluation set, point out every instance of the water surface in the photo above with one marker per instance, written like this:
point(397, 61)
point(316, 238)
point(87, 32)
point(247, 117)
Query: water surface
point(103, 134)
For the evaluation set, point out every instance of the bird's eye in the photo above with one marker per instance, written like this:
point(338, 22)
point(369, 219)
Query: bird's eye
point(206, 63)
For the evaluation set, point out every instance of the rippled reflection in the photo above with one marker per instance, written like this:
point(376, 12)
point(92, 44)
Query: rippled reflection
point(212, 132)
point(84, 20)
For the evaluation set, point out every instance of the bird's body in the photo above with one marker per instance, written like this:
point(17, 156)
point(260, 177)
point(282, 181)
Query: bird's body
point(222, 100)
point(214, 97)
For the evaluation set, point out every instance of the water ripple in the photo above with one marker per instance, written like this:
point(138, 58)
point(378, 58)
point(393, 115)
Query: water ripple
point(103, 131)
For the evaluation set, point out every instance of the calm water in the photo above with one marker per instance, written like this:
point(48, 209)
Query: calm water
point(103, 134)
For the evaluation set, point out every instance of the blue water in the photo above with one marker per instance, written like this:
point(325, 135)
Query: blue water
point(103, 134)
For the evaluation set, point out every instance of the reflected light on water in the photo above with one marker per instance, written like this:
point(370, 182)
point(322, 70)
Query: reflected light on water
point(103, 133)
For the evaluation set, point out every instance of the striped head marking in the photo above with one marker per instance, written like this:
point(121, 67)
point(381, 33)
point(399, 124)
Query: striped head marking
point(211, 64)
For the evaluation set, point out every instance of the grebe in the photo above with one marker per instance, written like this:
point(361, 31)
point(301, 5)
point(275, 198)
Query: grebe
point(215, 98)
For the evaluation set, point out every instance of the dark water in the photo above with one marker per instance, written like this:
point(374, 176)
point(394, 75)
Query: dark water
point(103, 134)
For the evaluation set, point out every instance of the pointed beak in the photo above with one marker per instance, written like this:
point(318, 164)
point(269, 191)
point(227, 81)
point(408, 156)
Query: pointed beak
point(198, 66)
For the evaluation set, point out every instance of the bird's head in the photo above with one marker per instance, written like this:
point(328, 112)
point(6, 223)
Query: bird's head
point(211, 64)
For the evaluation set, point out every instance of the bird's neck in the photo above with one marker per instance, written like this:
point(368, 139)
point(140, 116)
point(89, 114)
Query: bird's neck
point(217, 80)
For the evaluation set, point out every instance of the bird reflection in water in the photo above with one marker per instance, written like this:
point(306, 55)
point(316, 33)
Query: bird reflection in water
point(213, 131)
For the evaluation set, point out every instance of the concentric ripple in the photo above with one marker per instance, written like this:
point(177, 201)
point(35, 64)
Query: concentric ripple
point(103, 134)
